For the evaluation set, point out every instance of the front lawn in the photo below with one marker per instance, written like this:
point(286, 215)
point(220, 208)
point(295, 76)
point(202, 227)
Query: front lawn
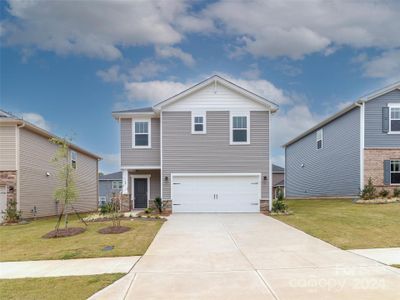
point(347, 225)
point(25, 242)
point(70, 287)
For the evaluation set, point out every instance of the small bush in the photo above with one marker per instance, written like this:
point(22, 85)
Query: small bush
point(384, 193)
point(148, 210)
point(369, 191)
point(12, 214)
point(396, 192)
point(106, 208)
point(278, 205)
point(159, 204)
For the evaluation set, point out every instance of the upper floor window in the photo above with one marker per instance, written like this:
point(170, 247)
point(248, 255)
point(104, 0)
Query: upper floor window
point(240, 129)
point(116, 185)
point(141, 134)
point(320, 138)
point(394, 118)
point(395, 172)
point(198, 124)
point(74, 157)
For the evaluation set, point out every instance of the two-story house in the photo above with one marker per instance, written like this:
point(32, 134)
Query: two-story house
point(109, 185)
point(206, 149)
point(28, 175)
point(338, 156)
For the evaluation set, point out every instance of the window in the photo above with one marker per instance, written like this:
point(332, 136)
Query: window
point(320, 138)
point(240, 129)
point(394, 118)
point(198, 124)
point(141, 134)
point(74, 157)
point(395, 172)
point(116, 185)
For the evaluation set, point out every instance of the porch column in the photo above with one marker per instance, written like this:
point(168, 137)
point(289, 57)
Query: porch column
point(125, 182)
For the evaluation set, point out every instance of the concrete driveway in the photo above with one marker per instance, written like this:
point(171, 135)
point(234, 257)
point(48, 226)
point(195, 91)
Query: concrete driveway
point(249, 256)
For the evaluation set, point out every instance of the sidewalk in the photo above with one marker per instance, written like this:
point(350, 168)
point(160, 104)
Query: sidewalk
point(388, 256)
point(69, 267)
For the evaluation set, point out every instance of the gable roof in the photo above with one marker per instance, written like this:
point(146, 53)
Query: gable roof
point(111, 176)
point(8, 118)
point(277, 169)
point(218, 79)
point(363, 99)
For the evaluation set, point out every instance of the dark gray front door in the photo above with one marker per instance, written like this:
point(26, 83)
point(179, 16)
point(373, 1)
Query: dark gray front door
point(140, 192)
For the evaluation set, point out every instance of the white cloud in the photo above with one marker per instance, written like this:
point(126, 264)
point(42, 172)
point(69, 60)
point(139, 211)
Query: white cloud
point(110, 162)
point(97, 29)
point(112, 74)
point(153, 91)
point(36, 119)
point(387, 65)
point(173, 52)
point(298, 28)
point(146, 69)
point(342, 105)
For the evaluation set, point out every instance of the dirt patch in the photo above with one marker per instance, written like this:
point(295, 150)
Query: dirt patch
point(114, 230)
point(64, 232)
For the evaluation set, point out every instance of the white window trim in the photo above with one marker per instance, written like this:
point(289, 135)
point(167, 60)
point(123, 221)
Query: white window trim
point(116, 181)
point(148, 120)
point(321, 139)
point(239, 114)
point(203, 115)
point(391, 172)
point(133, 177)
point(392, 105)
point(75, 160)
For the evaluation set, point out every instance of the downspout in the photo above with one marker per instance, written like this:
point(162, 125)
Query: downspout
point(18, 142)
point(361, 105)
point(270, 163)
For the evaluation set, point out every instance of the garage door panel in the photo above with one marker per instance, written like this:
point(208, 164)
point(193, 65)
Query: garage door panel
point(216, 193)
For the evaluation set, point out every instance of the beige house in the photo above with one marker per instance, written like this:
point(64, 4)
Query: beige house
point(28, 175)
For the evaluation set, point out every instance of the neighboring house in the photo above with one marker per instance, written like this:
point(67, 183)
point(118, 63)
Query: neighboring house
point(28, 176)
point(278, 180)
point(337, 156)
point(109, 184)
point(206, 149)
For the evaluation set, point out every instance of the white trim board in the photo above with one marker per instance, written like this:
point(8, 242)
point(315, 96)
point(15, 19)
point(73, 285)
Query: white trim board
point(140, 167)
point(143, 176)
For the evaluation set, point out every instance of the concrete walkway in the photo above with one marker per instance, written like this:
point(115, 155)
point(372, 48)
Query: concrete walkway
point(388, 256)
point(70, 267)
point(249, 256)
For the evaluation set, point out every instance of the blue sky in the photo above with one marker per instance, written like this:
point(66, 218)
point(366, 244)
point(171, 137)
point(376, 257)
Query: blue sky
point(66, 65)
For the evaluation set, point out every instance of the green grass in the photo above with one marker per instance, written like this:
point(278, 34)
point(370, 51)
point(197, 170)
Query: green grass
point(25, 242)
point(71, 287)
point(345, 224)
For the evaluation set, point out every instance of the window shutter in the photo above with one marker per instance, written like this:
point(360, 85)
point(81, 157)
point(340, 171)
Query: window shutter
point(385, 119)
point(386, 170)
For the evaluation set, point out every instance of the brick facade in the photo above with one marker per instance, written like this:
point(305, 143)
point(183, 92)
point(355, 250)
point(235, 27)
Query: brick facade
point(9, 179)
point(373, 165)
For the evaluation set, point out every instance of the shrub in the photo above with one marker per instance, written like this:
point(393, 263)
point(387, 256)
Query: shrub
point(148, 210)
point(12, 214)
point(369, 191)
point(384, 193)
point(159, 204)
point(278, 205)
point(106, 208)
point(396, 192)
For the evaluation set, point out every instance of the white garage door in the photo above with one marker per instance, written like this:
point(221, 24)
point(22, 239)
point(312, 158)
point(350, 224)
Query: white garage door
point(3, 201)
point(216, 193)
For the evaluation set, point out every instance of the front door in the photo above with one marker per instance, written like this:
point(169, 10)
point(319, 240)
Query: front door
point(140, 188)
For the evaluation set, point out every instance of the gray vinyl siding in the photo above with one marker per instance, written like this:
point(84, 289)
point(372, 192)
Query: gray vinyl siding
point(140, 157)
point(155, 183)
point(333, 170)
point(184, 152)
point(106, 190)
point(374, 137)
point(37, 189)
point(8, 148)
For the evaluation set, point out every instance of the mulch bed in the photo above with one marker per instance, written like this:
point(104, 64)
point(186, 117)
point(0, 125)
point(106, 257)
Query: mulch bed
point(71, 231)
point(114, 230)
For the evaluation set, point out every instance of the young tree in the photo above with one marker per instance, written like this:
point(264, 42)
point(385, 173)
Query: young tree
point(66, 193)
